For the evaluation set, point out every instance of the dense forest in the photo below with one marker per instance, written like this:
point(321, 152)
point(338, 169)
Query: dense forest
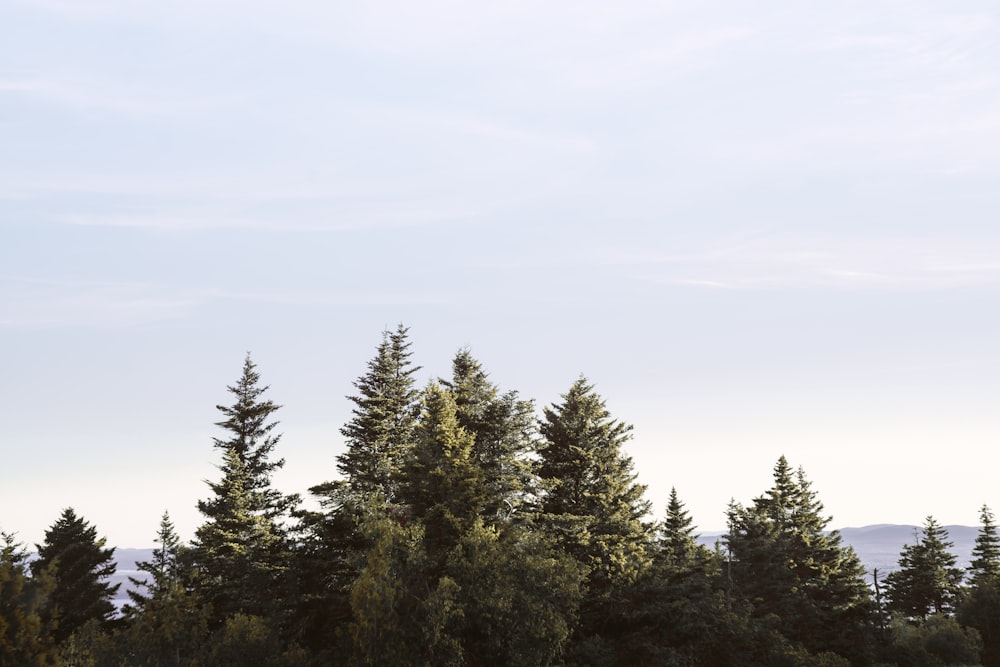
point(464, 529)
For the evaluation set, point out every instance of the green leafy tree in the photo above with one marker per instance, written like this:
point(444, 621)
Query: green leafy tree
point(789, 569)
point(241, 553)
point(927, 580)
point(79, 565)
point(24, 639)
point(503, 430)
point(677, 544)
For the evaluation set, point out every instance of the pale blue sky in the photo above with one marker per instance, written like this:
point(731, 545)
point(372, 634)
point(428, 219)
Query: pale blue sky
point(759, 228)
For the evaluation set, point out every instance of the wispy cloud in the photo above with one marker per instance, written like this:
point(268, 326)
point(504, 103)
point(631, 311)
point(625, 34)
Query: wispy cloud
point(901, 264)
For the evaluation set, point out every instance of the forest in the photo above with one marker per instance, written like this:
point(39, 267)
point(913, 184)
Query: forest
point(466, 528)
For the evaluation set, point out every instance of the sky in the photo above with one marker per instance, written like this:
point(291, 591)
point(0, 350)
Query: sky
point(760, 229)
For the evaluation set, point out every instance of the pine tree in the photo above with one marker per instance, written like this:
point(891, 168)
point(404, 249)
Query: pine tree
point(381, 430)
point(927, 580)
point(785, 564)
point(985, 564)
point(677, 544)
point(241, 552)
point(592, 496)
point(503, 429)
point(79, 565)
point(378, 438)
point(163, 571)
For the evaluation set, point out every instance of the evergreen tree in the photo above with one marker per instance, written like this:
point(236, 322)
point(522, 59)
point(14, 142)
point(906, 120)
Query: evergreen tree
point(503, 429)
point(927, 580)
point(241, 553)
point(789, 569)
point(592, 497)
point(441, 487)
point(24, 640)
point(381, 430)
point(985, 564)
point(378, 438)
point(79, 565)
point(162, 572)
point(677, 544)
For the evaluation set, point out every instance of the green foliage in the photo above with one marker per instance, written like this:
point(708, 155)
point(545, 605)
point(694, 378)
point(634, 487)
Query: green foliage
point(503, 430)
point(938, 640)
point(980, 609)
point(24, 640)
point(985, 563)
point(380, 432)
point(789, 570)
point(592, 499)
point(79, 565)
point(927, 580)
point(242, 547)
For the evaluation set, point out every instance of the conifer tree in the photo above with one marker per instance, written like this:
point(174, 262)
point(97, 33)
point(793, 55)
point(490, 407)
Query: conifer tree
point(788, 568)
point(162, 572)
point(381, 430)
point(677, 544)
point(79, 565)
point(592, 497)
point(927, 580)
point(985, 564)
point(503, 429)
point(241, 552)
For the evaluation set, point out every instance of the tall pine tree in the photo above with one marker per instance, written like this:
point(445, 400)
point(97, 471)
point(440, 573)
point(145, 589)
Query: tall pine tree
point(241, 552)
point(985, 563)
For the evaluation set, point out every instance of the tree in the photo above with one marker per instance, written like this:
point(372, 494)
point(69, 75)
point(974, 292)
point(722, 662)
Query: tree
point(381, 430)
point(79, 565)
point(985, 563)
point(927, 580)
point(241, 552)
point(592, 492)
point(378, 438)
point(24, 639)
point(162, 572)
point(788, 568)
point(502, 427)
point(677, 545)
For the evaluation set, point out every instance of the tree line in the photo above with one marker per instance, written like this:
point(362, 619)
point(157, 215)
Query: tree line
point(463, 529)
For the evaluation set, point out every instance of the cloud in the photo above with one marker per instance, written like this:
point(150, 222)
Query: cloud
point(896, 264)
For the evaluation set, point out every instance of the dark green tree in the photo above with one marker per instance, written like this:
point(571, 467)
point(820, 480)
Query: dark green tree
point(24, 639)
point(378, 438)
point(241, 554)
point(794, 573)
point(593, 508)
point(985, 563)
point(592, 497)
point(79, 565)
point(927, 580)
point(677, 544)
point(380, 433)
point(503, 429)
point(162, 572)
